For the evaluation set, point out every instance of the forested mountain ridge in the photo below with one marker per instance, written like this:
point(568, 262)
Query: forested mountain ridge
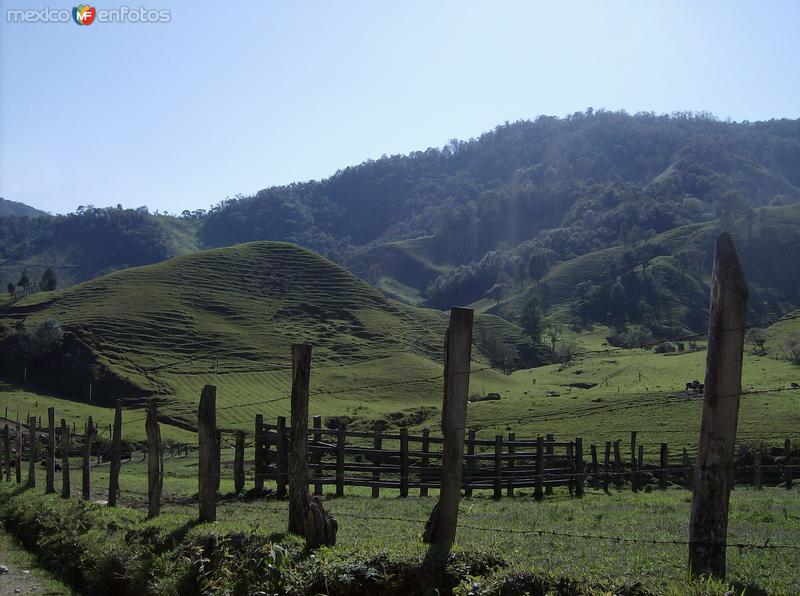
point(475, 218)
point(14, 208)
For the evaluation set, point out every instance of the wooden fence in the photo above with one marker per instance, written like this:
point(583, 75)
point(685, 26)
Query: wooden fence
point(404, 462)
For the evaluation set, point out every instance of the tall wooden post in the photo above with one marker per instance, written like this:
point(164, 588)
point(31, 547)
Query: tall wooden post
point(218, 457)
point(634, 475)
point(579, 488)
point(424, 461)
point(7, 452)
point(688, 470)
point(18, 453)
point(260, 455)
point(86, 483)
point(441, 529)
point(155, 461)
point(595, 466)
point(708, 526)
point(757, 468)
point(403, 462)
point(640, 467)
point(238, 463)
point(51, 451)
point(341, 437)
point(511, 450)
point(787, 462)
point(538, 479)
point(65, 485)
point(376, 461)
point(549, 450)
point(33, 451)
point(662, 478)
point(470, 461)
point(116, 455)
point(298, 452)
point(618, 480)
point(283, 458)
point(498, 467)
point(606, 461)
point(207, 440)
point(317, 455)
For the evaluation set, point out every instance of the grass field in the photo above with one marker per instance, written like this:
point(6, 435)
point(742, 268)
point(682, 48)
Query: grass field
point(547, 538)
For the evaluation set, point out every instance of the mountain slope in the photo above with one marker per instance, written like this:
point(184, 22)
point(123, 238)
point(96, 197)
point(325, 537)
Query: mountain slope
point(229, 316)
point(20, 209)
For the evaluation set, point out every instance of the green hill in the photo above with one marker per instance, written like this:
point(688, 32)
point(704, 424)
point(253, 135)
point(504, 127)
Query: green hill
point(228, 317)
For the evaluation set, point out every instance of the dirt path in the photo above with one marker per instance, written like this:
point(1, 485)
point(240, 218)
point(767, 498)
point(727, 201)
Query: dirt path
point(24, 576)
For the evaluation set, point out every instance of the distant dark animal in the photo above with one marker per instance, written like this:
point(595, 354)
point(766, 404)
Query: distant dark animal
point(695, 387)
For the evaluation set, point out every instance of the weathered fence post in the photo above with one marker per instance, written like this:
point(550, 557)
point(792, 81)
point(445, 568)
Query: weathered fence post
point(283, 458)
point(440, 532)
point(687, 465)
point(498, 467)
point(470, 461)
point(51, 451)
point(7, 451)
point(549, 450)
point(238, 463)
point(662, 479)
point(618, 480)
point(426, 447)
point(634, 475)
point(757, 468)
point(404, 462)
point(341, 437)
point(86, 483)
point(259, 458)
point(298, 450)
point(116, 455)
point(606, 462)
point(218, 456)
point(65, 485)
point(33, 450)
point(376, 461)
point(316, 455)
point(18, 454)
point(640, 467)
point(571, 463)
point(595, 466)
point(511, 451)
point(206, 440)
point(538, 479)
point(708, 526)
point(579, 467)
point(155, 461)
point(787, 459)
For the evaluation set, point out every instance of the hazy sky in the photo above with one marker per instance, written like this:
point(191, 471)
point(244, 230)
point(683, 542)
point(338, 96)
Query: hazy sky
point(234, 97)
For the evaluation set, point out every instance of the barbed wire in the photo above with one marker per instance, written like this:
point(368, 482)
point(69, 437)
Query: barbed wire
point(601, 537)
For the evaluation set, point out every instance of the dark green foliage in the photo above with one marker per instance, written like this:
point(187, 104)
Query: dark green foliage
point(14, 208)
point(49, 280)
point(531, 320)
point(24, 281)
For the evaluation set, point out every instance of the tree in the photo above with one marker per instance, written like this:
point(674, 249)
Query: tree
point(49, 281)
point(538, 265)
point(758, 340)
point(532, 319)
point(553, 334)
point(24, 282)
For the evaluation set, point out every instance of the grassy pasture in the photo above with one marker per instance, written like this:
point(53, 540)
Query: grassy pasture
point(393, 526)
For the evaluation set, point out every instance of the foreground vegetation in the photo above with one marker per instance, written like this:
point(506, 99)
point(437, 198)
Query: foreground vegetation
point(102, 551)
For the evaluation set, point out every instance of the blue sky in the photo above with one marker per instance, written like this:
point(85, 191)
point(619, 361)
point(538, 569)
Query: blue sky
point(234, 97)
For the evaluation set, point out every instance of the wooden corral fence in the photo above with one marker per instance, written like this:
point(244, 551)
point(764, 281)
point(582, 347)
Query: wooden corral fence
point(407, 462)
